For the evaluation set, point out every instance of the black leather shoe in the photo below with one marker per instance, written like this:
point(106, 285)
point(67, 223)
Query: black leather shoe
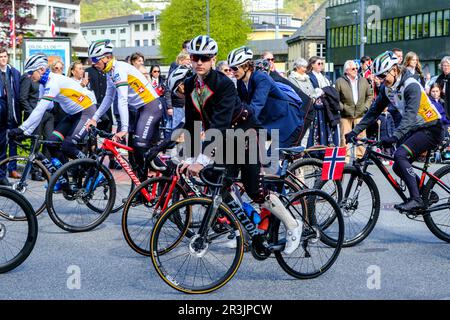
point(434, 198)
point(412, 205)
point(5, 182)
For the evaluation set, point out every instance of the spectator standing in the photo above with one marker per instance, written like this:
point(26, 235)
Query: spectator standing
point(174, 64)
point(58, 113)
point(223, 67)
point(315, 72)
point(412, 64)
point(355, 96)
point(444, 82)
point(159, 84)
point(10, 114)
point(439, 103)
point(137, 59)
point(399, 53)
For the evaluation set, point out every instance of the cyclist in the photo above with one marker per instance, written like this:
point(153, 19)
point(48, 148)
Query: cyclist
point(211, 98)
point(272, 107)
point(79, 105)
point(420, 128)
point(134, 91)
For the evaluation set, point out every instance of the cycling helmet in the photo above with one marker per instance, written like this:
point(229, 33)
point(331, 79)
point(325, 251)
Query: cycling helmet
point(384, 62)
point(203, 45)
point(263, 65)
point(177, 76)
point(35, 62)
point(239, 56)
point(100, 48)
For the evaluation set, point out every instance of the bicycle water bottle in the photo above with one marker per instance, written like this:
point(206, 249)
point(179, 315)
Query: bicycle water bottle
point(99, 179)
point(57, 164)
point(251, 213)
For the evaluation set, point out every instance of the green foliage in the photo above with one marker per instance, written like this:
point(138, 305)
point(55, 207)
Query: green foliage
point(183, 20)
point(92, 10)
point(301, 8)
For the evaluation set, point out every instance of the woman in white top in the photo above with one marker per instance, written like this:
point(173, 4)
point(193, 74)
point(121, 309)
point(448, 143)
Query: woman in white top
point(413, 65)
point(314, 70)
point(300, 79)
point(76, 72)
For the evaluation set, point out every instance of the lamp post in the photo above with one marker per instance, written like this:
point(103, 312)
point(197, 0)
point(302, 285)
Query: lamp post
point(207, 18)
point(355, 12)
point(328, 44)
point(362, 23)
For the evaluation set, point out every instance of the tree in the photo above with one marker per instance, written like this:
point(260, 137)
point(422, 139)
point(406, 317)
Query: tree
point(92, 10)
point(23, 17)
point(183, 20)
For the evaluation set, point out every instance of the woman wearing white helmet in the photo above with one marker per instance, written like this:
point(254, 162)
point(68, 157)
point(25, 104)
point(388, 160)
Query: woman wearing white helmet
point(420, 128)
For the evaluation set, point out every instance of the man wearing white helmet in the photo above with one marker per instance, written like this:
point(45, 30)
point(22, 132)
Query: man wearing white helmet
point(75, 101)
point(133, 91)
point(211, 98)
point(420, 128)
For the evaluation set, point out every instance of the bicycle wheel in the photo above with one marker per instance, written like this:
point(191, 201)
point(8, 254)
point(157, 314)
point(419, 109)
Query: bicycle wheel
point(33, 190)
point(309, 172)
point(17, 237)
point(139, 215)
point(319, 247)
point(186, 261)
point(438, 221)
point(79, 206)
point(124, 188)
point(360, 205)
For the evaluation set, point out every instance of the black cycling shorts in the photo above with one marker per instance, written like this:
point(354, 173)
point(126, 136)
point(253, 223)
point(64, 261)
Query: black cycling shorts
point(146, 128)
point(73, 126)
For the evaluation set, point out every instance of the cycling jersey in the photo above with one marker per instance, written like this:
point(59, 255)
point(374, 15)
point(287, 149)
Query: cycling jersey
point(411, 100)
point(133, 91)
point(67, 92)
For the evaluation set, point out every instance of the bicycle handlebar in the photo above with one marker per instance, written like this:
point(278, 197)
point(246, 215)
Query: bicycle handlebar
point(206, 181)
point(93, 131)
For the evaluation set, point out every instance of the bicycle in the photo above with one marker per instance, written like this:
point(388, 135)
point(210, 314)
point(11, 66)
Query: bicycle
point(37, 162)
point(360, 190)
point(18, 229)
point(221, 231)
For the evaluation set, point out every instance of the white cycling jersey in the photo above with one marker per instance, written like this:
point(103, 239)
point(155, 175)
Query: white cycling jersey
point(70, 95)
point(133, 91)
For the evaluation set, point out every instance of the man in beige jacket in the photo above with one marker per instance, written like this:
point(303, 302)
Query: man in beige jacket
point(355, 99)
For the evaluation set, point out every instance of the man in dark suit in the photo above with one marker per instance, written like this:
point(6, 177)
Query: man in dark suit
point(10, 115)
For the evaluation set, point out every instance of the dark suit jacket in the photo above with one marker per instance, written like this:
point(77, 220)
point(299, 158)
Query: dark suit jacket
point(14, 77)
point(29, 95)
point(269, 105)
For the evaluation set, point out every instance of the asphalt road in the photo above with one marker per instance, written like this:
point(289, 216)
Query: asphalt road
point(401, 259)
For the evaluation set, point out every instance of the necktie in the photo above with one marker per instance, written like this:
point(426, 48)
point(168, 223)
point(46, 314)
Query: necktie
point(9, 97)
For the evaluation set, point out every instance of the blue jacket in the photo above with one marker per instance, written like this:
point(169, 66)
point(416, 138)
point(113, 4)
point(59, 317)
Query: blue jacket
point(14, 77)
point(272, 109)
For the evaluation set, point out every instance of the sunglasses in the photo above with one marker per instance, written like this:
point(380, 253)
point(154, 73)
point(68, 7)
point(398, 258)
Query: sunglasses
point(96, 59)
point(156, 71)
point(383, 75)
point(199, 57)
point(270, 59)
point(235, 68)
point(353, 69)
point(320, 63)
point(226, 70)
point(30, 73)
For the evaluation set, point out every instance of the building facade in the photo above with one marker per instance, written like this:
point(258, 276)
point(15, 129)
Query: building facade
point(413, 25)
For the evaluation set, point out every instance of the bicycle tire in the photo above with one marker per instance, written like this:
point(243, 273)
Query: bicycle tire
point(431, 219)
point(312, 234)
point(135, 232)
point(29, 195)
point(31, 232)
point(351, 239)
point(80, 167)
point(163, 271)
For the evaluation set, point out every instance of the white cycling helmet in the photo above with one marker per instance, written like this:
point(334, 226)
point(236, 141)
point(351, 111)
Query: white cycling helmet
point(203, 45)
point(35, 62)
point(384, 62)
point(177, 76)
point(100, 48)
point(239, 56)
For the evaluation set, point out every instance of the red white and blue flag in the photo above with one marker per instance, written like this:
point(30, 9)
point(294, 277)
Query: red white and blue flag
point(12, 28)
point(333, 163)
point(53, 25)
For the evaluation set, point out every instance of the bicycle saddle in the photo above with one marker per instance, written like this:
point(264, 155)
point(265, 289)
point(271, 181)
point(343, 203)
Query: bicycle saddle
point(292, 150)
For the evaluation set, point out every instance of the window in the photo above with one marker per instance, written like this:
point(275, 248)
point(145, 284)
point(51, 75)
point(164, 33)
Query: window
point(145, 27)
point(413, 28)
point(102, 31)
point(320, 50)
point(379, 32)
point(84, 33)
point(137, 27)
point(351, 35)
point(345, 36)
point(426, 25)
point(93, 32)
point(440, 23)
point(283, 21)
point(390, 37)
point(113, 42)
point(407, 28)
point(113, 31)
point(137, 43)
point(384, 31)
point(65, 15)
point(341, 37)
point(153, 27)
point(123, 43)
point(446, 23)
point(395, 30)
point(123, 30)
point(153, 42)
point(369, 34)
point(401, 29)
point(145, 43)
point(255, 19)
point(419, 26)
point(433, 24)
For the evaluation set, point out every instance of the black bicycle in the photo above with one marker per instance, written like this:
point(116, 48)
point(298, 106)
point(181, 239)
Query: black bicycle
point(18, 229)
point(200, 258)
point(361, 199)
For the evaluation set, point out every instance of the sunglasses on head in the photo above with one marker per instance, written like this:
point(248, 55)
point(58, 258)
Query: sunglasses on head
point(199, 57)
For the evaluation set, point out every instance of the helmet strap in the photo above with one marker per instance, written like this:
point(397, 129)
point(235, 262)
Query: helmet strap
point(109, 65)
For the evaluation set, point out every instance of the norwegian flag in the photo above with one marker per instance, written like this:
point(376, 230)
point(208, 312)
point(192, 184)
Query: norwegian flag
point(12, 29)
point(333, 163)
point(53, 25)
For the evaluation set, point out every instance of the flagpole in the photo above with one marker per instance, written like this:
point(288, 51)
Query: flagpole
point(14, 32)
